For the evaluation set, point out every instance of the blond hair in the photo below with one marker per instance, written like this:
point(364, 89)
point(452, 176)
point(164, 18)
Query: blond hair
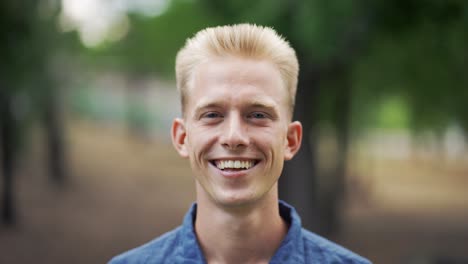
point(243, 40)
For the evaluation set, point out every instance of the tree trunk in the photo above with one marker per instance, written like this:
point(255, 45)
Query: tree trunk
point(7, 144)
point(54, 133)
point(298, 183)
point(334, 198)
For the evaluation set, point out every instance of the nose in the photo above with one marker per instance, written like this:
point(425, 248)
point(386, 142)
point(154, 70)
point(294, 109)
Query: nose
point(234, 134)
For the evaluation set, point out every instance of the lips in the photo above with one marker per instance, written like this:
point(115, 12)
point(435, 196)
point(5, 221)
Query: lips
point(234, 164)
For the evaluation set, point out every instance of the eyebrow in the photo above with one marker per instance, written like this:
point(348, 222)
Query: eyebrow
point(205, 105)
point(265, 104)
point(261, 104)
point(268, 106)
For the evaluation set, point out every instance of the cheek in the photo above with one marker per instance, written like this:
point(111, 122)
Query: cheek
point(272, 144)
point(272, 137)
point(199, 140)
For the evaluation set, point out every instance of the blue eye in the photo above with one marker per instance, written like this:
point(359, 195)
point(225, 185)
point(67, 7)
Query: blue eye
point(258, 115)
point(211, 115)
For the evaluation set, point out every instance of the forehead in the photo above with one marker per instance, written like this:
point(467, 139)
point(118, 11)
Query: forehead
point(253, 80)
point(238, 69)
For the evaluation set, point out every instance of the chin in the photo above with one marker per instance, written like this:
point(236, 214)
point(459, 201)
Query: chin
point(236, 200)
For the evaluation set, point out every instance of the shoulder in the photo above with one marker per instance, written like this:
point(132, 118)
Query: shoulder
point(329, 251)
point(154, 251)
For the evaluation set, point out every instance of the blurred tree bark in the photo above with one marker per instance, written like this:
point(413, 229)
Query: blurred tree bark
point(298, 184)
point(26, 41)
point(334, 195)
point(54, 128)
point(7, 132)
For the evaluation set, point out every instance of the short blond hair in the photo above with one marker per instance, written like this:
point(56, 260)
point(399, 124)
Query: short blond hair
point(243, 40)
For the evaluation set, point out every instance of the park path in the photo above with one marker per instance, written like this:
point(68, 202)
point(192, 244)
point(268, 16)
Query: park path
point(120, 193)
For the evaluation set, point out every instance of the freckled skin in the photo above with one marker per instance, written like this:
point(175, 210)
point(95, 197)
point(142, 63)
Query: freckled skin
point(236, 108)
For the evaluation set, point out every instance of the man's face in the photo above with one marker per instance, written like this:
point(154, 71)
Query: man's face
point(236, 131)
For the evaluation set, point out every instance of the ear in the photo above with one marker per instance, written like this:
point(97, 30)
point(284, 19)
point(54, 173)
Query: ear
point(179, 136)
point(294, 139)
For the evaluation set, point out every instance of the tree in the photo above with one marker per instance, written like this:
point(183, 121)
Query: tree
point(25, 44)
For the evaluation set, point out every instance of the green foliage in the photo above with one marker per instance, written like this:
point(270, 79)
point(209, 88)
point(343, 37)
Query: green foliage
point(421, 62)
point(17, 34)
point(152, 43)
point(321, 27)
point(27, 42)
point(392, 114)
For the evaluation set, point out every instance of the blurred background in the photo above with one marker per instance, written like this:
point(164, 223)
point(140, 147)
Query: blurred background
point(87, 96)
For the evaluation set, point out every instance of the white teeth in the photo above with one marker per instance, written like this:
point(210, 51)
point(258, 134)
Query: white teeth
point(234, 164)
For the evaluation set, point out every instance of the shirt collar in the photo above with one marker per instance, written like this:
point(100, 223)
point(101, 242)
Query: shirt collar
point(189, 248)
point(290, 251)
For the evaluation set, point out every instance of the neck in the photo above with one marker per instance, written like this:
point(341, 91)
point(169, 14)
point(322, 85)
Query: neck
point(239, 234)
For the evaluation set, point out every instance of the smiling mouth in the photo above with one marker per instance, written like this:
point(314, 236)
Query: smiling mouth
point(234, 164)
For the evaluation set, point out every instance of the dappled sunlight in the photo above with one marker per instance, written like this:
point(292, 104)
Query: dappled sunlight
point(98, 21)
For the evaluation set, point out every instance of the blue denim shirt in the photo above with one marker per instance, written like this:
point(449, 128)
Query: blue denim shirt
point(181, 246)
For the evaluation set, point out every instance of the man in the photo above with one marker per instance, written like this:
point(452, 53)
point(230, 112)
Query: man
point(237, 86)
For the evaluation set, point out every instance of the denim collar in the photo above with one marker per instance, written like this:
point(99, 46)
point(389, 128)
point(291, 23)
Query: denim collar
point(290, 250)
